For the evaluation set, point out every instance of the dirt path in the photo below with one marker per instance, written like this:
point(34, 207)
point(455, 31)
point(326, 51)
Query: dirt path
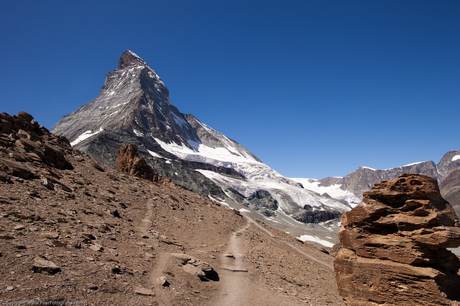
point(234, 276)
point(161, 259)
point(239, 285)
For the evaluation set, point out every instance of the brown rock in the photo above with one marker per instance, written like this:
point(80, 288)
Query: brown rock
point(25, 116)
point(45, 266)
point(129, 161)
point(144, 291)
point(15, 169)
point(394, 246)
point(195, 266)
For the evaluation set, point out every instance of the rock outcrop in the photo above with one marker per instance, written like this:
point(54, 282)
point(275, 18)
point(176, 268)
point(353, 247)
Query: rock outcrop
point(394, 246)
point(129, 161)
point(33, 143)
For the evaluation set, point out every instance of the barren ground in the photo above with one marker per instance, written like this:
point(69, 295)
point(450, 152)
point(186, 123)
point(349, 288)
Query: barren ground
point(112, 237)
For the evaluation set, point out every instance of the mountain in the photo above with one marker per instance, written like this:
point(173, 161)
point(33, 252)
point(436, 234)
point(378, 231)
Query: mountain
point(351, 187)
point(134, 108)
point(73, 230)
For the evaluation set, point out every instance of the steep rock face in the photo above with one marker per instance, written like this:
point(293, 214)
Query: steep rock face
point(449, 162)
point(134, 108)
point(450, 189)
point(394, 246)
point(129, 161)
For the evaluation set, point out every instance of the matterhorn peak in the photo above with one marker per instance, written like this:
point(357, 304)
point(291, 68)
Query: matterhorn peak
point(130, 59)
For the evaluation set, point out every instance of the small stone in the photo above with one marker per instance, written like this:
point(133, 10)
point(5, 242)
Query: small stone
point(45, 266)
point(96, 247)
point(19, 246)
point(47, 183)
point(19, 227)
point(163, 281)
point(50, 235)
point(144, 291)
point(10, 288)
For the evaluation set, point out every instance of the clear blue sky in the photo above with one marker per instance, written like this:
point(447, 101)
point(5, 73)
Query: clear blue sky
point(312, 88)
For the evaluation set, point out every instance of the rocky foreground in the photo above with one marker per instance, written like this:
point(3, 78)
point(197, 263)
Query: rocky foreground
point(394, 246)
point(75, 230)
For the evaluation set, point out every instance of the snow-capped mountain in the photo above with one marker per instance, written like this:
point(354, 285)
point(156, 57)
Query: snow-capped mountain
point(351, 187)
point(134, 107)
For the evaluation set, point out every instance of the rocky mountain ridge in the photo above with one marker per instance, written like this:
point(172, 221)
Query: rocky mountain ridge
point(134, 108)
point(352, 186)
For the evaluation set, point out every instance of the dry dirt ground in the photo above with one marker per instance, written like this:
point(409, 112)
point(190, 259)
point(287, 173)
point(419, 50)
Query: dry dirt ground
point(94, 236)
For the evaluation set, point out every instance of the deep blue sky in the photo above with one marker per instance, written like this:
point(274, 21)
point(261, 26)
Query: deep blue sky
point(312, 88)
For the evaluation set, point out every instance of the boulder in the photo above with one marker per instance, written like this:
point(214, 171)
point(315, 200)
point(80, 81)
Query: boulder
point(129, 161)
point(394, 246)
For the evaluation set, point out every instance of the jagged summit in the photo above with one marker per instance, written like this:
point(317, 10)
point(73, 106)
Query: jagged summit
point(130, 59)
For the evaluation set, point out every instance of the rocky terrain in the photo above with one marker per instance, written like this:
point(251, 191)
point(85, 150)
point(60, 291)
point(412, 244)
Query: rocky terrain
point(394, 246)
point(75, 230)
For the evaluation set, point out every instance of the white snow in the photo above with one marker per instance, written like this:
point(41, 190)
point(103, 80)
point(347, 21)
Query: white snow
point(456, 157)
point(139, 134)
point(258, 176)
point(154, 154)
point(218, 156)
point(413, 164)
point(369, 168)
point(84, 136)
point(134, 54)
point(334, 190)
point(316, 239)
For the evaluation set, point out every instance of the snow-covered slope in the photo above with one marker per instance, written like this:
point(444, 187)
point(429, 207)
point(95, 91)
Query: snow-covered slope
point(333, 191)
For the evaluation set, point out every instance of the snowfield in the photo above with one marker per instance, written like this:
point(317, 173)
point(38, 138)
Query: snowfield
point(258, 176)
point(333, 191)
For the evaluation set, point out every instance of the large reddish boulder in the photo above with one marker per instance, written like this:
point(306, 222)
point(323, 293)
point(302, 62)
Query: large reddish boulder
point(129, 161)
point(394, 246)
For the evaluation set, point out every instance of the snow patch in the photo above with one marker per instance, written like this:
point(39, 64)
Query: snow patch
point(456, 157)
point(139, 134)
point(84, 136)
point(316, 239)
point(413, 164)
point(155, 154)
point(334, 191)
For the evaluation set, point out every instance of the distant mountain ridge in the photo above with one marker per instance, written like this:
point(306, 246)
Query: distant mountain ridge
point(352, 186)
point(134, 107)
